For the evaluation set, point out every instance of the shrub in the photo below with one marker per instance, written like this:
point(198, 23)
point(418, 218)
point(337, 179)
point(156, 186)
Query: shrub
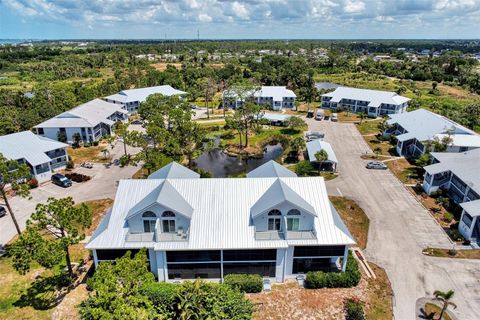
point(162, 295)
point(77, 177)
point(349, 278)
point(70, 164)
point(33, 183)
point(249, 283)
point(95, 143)
point(354, 310)
point(87, 144)
point(303, 168)
point(124, 160)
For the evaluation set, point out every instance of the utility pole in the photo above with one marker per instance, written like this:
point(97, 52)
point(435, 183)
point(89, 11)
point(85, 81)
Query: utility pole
point(198, 34)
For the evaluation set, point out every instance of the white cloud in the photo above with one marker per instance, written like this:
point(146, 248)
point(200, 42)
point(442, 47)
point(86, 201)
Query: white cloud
point(240, 10)
point(354, 6)
point(203, 17)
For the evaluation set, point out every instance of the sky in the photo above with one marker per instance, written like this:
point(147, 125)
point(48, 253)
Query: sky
point(234, 19)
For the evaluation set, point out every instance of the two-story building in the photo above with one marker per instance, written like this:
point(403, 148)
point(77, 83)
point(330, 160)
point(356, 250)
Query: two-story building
point(372, 102)
point(42, 155)
point(271, 97)
point(459, 175)
point(130, 99)
point(92, 121)
point(413, 129)
point(272, 223)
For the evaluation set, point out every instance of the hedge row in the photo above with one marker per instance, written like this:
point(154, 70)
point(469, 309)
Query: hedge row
point(354, 310)
point(249, 283)
point(349, 278)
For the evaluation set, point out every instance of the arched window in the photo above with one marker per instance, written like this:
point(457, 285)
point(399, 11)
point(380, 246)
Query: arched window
point(274, 220)
point(149, 220)
point(274, 212)
point(293, 212)
point(168, 221)
point(168, 214)
point(293, 221)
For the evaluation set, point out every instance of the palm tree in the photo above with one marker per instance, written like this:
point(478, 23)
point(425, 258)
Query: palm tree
point(321, 156)
point(445, 297)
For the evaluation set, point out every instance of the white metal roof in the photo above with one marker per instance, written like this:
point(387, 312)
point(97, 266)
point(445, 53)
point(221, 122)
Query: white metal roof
point(141, 94)
point(423, 125)
point(270, 169)
point(277, 93)
point(221, 216)
point(472, 207)
point(166, 196)
point(462, 140)
point(275, 116)
point(374, 97)
point(174, 170)
point(316, 145)
point(85, 115)
point(28, 146)
point(465, 165)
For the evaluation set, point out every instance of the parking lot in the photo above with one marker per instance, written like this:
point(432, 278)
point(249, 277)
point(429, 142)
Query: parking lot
point(102, 185)
point(399, 229)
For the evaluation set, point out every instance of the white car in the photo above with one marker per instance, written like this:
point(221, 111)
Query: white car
point(376, 165)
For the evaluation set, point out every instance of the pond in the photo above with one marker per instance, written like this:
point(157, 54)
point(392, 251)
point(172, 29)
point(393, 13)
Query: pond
point(326, 85)
point(222, 165)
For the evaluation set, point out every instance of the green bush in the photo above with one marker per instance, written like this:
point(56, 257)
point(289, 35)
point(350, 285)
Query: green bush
point(303, 168)
point(95, 143)
point(354, 310)
point(249, 283)
point(349, 278)
point(70, 164)
point(162, 295)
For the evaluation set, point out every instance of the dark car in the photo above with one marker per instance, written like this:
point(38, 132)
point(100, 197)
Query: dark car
point(3, 211)
point(61, 180)
point(376, 165)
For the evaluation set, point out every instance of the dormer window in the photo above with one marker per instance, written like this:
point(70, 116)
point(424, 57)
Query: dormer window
point(168, 221)
point(274, 220)
point(293, 220)
point(149, 220)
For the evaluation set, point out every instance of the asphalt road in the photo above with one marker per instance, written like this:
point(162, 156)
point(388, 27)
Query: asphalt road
point(399, 229)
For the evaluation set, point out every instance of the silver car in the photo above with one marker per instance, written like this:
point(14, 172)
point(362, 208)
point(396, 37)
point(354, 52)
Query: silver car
point(376, 165)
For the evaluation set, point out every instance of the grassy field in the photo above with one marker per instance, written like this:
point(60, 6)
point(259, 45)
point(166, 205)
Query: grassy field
point(354, 217)
point(405, 171)
point(33, 295)
point(89, 154)
point(432, 311)
point(459, 254)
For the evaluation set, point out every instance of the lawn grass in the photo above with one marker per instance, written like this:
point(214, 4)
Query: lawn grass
point(432, 311)
point(354, 217)
point(379, 297)
point(369, 127)
point(405, 171)
point(89, 154)
point(12, 286)
point(447, 253)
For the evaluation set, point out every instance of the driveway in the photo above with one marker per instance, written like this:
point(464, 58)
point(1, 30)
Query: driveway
point(399, 229)
point(102, 185)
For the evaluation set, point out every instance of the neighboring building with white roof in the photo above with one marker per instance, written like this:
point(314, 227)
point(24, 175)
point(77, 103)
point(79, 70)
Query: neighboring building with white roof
point(41, 154)
point(372, 102)
point(130, 99)
point(413, 129)
point(315, 146)
point(92, 120)
point(271, 223)
point(274, 97)
point(459, 175)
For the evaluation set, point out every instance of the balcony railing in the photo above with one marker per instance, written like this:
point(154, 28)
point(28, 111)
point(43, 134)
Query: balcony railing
point(158, 235)
point(56, 154)
point(140, 237)
point(288, 235)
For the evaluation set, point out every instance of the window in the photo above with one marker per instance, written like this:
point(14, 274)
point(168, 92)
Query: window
point(40, 131)
point(149, 220)
point(274, 220)
point(168, 221)
point(293, 223)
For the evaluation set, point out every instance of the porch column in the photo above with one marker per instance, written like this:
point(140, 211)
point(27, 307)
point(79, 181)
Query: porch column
point(345, 257)
point(95, 258)
point(221, 266)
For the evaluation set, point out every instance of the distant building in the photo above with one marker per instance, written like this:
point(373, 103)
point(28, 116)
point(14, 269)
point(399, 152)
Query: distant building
point(459, 175)
point(372, 102)
point(413, 129)
point(41, 154)
point(92, 121)
point(130, 99)
point(273, 224)
point(273, 97)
